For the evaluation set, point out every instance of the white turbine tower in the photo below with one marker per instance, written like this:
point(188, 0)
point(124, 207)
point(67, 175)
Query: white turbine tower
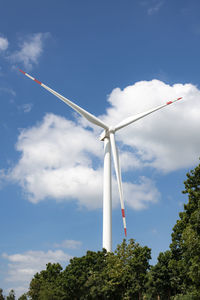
point(108, 136)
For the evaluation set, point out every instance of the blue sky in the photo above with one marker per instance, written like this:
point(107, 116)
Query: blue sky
point(114, 59)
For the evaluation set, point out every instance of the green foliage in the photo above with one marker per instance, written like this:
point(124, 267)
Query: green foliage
point(46, 284)
point(185, 244)
point(95, 276)
point(23, 297)
point(1, 295)
point(160, 277)
point(185, 297)
point(135, 263)
point(177, 271)
point(11, 295)
point(81, 273)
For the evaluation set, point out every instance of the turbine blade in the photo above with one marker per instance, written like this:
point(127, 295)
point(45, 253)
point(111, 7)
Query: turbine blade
point(132, 119)
point(77, 108)
point(118, 175)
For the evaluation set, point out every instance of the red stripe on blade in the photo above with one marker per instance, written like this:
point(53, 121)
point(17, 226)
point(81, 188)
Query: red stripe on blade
point(22, 72)
point(125, 232)
point(180, 98)
point(38, 81)
point(169, 102)
point(123, 213)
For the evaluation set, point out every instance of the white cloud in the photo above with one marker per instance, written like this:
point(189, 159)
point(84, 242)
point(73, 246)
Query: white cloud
point(3, 43)
point(139, 196)
point(26, 107)
point(152, 6)
point(155, 7)
point(57, 162)
point(63, 160)
point(30, 50)
point(166, 140)
point(129, 161)
point(69, 244)
point(22, 267)
point(8, 91)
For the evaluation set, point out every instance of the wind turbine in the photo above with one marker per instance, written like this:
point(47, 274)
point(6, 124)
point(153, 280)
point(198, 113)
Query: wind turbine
point(108, 136)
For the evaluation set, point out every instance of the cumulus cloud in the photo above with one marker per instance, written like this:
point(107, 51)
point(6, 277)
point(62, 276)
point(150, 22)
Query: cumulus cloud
point(22, 267)
point(30, 50)
point(3, 43)
point(166, 140)
point(62, 160)
point(57, 162)
point(139, 196)
point(68, 244)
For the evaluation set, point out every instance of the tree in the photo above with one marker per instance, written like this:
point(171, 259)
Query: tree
point(96, 276)
point(79, 276)
point(11, 295)
point(45, 285)
point(1, 295)
point(135, 264)
point(23, 297)
point(162, 280)
point(185, 244)
point(177, 271)
point(101, 275)
point(106, 282)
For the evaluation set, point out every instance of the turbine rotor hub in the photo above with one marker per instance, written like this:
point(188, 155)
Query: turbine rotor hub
point(104, 134)
point(111, 129)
